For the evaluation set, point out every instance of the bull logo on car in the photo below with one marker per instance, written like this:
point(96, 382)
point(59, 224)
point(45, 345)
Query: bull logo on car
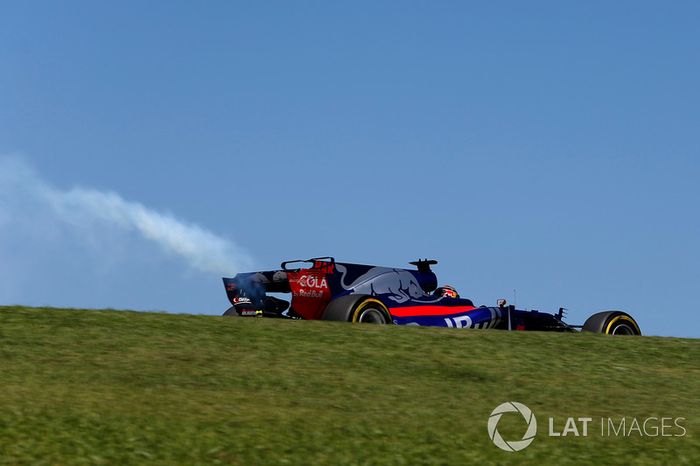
point(396, 284)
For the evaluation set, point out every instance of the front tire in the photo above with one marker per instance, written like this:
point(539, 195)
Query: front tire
point(612, 323)
point(357, 308)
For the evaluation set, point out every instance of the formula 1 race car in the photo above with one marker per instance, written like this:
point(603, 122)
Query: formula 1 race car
point(324, 289)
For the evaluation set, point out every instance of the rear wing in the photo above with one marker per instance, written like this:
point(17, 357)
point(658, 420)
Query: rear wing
point(254, 285)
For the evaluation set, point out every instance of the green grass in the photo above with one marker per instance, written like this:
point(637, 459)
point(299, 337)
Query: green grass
point(111, 387)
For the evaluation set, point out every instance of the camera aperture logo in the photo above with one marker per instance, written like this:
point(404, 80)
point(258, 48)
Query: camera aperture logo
point(530, 420)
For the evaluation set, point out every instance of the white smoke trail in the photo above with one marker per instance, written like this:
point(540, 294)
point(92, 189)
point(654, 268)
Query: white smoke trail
point(87, 209)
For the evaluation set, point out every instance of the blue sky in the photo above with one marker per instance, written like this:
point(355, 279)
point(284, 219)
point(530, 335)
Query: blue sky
point(548, 147)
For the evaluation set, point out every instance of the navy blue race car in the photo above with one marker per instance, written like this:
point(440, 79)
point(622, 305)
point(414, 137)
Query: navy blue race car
point(323, 289)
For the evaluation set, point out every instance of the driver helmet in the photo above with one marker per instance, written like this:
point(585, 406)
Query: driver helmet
point(447, 291)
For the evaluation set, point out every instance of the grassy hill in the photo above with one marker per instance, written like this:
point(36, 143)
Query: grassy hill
point(115, 387)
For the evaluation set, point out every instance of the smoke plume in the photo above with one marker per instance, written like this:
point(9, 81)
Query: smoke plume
point(87, 212)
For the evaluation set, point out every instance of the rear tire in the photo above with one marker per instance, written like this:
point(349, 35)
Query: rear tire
point(231, 312)
point(612, 323)
point(357, 308)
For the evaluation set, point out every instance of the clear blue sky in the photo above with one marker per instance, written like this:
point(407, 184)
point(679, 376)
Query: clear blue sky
point(548, 147)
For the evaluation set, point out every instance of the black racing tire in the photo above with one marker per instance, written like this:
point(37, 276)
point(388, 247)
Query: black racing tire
point(231, 312)
point(612, 323)
point(357, 308)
